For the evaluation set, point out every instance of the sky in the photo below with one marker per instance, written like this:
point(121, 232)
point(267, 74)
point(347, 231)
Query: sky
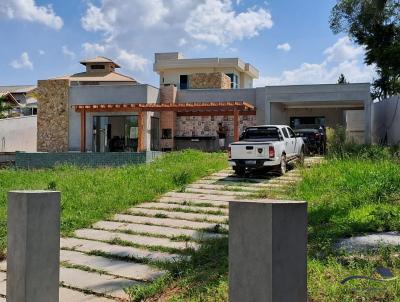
point(288, 41)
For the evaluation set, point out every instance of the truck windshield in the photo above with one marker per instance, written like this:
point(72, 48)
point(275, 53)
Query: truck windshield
point(266, 133)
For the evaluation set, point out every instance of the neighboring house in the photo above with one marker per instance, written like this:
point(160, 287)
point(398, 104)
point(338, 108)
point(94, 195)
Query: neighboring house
point(101, 111)
point(226, 73)
point(21, 98)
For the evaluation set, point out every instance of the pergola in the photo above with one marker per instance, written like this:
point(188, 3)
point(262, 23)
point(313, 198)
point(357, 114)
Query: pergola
point(235, 108)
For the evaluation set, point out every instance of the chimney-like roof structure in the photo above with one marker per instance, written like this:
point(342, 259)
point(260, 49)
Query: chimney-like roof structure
point(99, 59)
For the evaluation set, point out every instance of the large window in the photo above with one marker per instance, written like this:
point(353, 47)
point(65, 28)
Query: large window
point(301, 122)
point(183, 81)
point(234, 80)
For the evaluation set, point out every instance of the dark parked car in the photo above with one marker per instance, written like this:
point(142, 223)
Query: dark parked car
point(314, 137)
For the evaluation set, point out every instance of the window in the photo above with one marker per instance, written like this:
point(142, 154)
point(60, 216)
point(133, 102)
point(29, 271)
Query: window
point(183, 81)
point(97, 66)
point(285, 133)
point(262, 133)
point(166, 134)
point(234, 80)
point(291, 133)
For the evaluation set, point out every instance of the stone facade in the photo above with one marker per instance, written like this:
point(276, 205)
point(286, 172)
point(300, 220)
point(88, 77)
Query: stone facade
point(52, 124)
point(167, 118)
point(208, 125)
point(217, 80)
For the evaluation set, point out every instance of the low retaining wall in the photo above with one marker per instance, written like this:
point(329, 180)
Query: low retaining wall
point(49, 160)
point(18, 134)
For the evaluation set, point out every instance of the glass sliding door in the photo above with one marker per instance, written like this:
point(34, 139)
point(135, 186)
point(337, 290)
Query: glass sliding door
point(115, 133)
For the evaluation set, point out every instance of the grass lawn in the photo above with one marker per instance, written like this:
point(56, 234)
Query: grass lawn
point(92, 194)
point(346, 197)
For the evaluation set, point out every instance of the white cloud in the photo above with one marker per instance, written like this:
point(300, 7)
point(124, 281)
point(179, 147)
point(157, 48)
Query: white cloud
point(93, 49)
point(284, 47)
point(22, 62)
point(41, 52)
point(68, 53)
point(29, 11)
point(215, 22)
point(131, 61)
point(341, 57)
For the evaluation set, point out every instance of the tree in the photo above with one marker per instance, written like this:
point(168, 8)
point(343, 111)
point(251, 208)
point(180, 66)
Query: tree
point(374, 24)
point(4, 108)
point(342, 79)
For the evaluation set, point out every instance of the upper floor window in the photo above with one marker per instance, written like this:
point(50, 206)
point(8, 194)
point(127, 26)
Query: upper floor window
point(234, 80)
point(97, 66)
point(183, 81)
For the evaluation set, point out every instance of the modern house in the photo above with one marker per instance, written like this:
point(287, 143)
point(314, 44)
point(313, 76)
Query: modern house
point(20, 98)
point(100, 110)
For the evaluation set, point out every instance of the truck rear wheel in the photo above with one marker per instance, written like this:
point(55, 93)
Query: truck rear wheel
point(283, 165)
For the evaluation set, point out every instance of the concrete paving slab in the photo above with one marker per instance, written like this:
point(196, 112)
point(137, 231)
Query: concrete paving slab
point(199, 202)
point(238, 179)
point(151, 229)
point(88, 246)
point(197, 196)
point(175, 207)
point(167, 222)
point(217, 192)
point(69, 295)
point(368, 242)
point(129, 270)
point(3, 284)
point(180, 215)
point(223, 187)
point(97, 283)
point(102, 235)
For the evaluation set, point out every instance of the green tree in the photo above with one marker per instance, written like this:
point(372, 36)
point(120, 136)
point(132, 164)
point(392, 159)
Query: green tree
point(342, 79)
point(374, 24)
point(4, 108)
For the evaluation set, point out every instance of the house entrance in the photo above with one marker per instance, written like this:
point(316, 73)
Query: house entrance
point(115, 133)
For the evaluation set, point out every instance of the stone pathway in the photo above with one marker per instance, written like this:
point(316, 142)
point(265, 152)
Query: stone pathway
point(97, 263)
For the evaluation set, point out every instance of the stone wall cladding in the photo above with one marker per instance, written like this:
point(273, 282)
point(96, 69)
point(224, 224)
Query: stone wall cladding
point(208, 125)
point(52, 124)
point(97, 159)
point(209, 80)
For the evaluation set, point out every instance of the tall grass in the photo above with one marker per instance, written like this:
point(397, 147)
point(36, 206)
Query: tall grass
point(92, 194)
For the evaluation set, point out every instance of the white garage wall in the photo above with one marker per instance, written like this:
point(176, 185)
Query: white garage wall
point(18, 134)
point(386, 121)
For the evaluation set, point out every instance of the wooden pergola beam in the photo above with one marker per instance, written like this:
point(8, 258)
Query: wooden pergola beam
point(215, 113)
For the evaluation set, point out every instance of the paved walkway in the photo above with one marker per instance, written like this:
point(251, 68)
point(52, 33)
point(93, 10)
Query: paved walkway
point(99, 262)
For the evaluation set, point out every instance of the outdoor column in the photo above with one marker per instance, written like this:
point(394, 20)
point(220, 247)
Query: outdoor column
point(83, 130)
point(267, 251)
point(235, 125)
point(141, 132)
point(33, 246)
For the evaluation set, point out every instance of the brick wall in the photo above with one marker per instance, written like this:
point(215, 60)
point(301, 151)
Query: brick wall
point(52, 117)
point(209, 80)
point(167, 118)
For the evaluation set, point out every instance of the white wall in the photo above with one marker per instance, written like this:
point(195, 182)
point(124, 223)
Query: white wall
point(18, 134)
point(386, 121)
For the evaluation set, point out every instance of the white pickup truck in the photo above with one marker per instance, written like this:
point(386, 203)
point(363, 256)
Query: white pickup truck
point(270, 147)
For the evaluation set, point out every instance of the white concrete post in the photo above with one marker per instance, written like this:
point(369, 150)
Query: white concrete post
point(267, 251)
point(33, 246)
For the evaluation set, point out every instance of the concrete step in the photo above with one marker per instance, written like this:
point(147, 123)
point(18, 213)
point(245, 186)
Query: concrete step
point(128, 270)
point(198, 202)
point(238, 179)
point(179, 215)
point(200, 196)
point(88, 246)
point(95, 283)
point(146, 241)
point(222, 187)
point(216, 192)
point(152, 230)
point(3, 284)
point(174, 207)
point(167, 222)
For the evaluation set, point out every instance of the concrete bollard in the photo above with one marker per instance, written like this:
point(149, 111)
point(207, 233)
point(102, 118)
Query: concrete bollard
point(267, 251)
point(33, 247)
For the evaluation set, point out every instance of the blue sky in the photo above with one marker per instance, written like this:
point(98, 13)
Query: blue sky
point(290, 42)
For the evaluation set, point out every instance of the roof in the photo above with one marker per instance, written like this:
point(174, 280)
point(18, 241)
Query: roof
point(17, 88)
point(99, 59)
point(98, 77)
point(176, 107)
point(10, 98)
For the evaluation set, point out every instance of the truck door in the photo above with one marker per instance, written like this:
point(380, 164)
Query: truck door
point(288, 143)
point(294, 143)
